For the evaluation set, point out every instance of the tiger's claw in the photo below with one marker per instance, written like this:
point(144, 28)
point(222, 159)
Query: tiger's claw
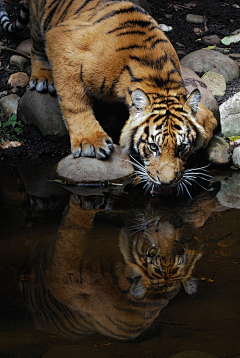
point(100, 148)
point(42, 86)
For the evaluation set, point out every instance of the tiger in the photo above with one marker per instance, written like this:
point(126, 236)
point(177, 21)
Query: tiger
point(115, 50)
point(116, 284)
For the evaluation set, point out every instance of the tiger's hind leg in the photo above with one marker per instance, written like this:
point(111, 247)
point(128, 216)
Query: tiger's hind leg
point(41, 75)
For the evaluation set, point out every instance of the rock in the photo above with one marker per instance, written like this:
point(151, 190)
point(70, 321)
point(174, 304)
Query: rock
point(19, 79)
point(218, 151)
point(229, 194)
point(85, 170)
point(165, 28)
point(193, 354)
point(193, 81)
point(203, 60)
point(212, 40)
point(20, 62)
point(197, 30)
point(42, 110)
point(25, 47)
point(194, 19)
point(9, 104)
point(230, 116)
point(236, 157)
point(215, 82)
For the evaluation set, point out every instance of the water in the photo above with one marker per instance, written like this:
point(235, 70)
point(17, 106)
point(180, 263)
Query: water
point(72, 265)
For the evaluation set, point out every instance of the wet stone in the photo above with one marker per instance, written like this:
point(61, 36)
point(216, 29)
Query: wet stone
point(85, 170)
point(217, 151)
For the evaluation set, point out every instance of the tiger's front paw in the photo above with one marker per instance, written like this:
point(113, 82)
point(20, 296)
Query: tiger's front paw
point(42, 85)
point(98, 145)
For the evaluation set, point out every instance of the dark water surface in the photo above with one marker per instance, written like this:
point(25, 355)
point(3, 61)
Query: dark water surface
point(111, 273)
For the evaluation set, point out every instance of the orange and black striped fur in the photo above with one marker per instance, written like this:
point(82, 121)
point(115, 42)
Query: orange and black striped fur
point(115, 50)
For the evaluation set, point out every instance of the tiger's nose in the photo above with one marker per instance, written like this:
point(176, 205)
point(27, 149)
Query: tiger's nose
point(167, 176)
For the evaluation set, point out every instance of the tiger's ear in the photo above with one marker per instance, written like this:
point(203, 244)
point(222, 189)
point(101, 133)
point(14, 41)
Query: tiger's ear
point(139, 100)
point(193, 100)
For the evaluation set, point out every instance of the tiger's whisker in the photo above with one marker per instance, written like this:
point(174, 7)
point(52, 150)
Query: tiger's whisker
point(185, 187)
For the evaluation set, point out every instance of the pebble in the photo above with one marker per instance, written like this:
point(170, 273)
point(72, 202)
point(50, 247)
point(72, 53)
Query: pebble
point(19, 61)
point(194, 19)
point(165, 28)
point(83, 169)
point(236, 157)
point(212, 40)
point(215, 82)
point(19, 79)
point(197, 30)
point(9, 104)
point(218, 151)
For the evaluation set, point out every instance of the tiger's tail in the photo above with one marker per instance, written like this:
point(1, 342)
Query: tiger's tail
point(20, 23)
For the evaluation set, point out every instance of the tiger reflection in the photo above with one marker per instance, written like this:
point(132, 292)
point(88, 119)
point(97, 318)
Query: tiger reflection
point(114, 284)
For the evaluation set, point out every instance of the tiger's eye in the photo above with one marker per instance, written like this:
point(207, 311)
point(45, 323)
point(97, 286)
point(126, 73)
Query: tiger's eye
point(152, 252)
point(153, 147)
point(182, 147)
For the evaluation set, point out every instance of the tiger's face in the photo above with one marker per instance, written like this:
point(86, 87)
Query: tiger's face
point(159, 258)
point(164, 131)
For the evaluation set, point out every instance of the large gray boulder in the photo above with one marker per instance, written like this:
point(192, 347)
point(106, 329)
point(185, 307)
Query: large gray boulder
point(202, 61)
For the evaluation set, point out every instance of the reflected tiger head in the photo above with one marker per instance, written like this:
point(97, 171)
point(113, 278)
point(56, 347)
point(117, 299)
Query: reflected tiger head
point(159, 257)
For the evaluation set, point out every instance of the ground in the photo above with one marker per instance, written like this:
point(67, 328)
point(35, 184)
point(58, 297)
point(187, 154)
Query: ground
point(221, 18)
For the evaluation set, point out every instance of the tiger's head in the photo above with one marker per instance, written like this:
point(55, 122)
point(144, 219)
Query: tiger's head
point(160, 258)
point(164, 130)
